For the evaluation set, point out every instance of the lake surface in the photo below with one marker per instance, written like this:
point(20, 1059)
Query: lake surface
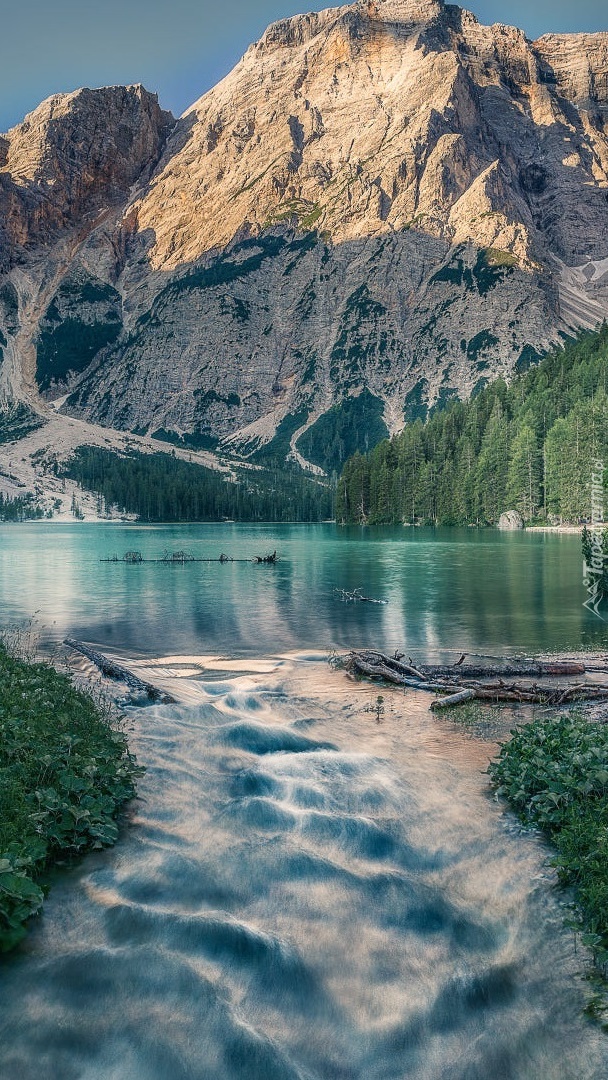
point(302, 893)
point(447, 589)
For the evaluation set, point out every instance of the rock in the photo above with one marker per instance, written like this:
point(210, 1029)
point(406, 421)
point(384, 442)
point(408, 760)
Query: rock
point(511, 521)
point(384, 205)
point(76, 154)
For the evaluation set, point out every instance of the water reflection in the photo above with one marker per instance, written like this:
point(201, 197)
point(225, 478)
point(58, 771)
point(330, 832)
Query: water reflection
point(446, 589)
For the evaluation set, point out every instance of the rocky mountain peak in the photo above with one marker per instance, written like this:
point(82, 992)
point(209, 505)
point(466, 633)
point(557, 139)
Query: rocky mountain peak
point(401, 11)
point(382, 206)
point(361, 120)
point(77, 153)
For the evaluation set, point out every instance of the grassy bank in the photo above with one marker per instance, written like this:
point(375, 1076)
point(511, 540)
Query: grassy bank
point(64, 774)
point(554, 773)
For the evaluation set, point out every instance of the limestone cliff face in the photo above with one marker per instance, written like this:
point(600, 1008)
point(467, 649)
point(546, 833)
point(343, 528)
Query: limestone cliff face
point(385, 203)
point(75, 155)
point(384, 116)
point(65, 172)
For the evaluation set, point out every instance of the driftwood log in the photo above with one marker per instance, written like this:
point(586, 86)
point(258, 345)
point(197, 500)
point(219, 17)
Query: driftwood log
point(461, 683)
point(538, 669)
point(272, 558)
point(116, 671)
point(453, 699)
point(356, 596)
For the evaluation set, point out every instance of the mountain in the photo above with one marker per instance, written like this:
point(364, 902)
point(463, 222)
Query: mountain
point(383, 206)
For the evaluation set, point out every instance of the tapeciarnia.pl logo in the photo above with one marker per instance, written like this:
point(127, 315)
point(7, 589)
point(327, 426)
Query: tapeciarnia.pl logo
point(594, 567)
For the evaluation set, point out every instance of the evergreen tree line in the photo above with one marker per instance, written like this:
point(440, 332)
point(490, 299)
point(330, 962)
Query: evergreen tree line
point(531, 446)
point(160, 487)
point(20, 508)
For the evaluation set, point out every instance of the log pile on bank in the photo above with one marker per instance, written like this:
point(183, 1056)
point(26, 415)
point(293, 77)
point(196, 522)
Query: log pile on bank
point(465, 682)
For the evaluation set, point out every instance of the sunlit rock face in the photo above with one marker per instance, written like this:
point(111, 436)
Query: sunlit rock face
point(74, 155)
point(385, 201)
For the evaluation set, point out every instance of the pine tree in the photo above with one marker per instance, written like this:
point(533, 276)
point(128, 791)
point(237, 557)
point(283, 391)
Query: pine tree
point(525, 474)
point(492, 466)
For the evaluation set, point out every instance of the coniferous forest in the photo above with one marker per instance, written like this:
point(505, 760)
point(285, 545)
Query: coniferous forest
point(160, 487)
point(529, 446)
point(21, 508)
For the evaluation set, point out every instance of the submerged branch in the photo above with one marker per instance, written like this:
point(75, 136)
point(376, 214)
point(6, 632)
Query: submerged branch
point(113, 670)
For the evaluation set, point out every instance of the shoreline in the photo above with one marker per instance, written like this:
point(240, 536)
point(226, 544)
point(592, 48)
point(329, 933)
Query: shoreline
point(93, 519)
point(565, 529)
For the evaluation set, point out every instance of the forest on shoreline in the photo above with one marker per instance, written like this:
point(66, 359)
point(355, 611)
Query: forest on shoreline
point(161, 487)
point(532, 446)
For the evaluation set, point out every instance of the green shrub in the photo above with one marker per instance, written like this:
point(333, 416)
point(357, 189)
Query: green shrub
point(64, 774)
point(554, 772)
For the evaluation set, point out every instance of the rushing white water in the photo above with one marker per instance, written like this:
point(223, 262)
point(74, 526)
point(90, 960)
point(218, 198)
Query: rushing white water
point(302, 893)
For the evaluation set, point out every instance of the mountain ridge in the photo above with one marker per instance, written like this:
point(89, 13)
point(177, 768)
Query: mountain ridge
point(384, 198)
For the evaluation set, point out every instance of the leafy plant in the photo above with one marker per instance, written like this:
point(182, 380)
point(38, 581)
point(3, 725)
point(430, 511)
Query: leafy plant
point(20, 898)
point(65, 771)
point(554, 773)
point(377, 708)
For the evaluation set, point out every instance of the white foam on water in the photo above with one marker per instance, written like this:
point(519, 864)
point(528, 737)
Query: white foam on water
point(301, 893)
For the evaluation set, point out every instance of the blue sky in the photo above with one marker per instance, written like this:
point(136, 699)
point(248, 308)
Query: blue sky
point(180, 48)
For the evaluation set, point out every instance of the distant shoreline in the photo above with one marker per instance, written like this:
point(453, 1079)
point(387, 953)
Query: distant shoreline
point(65, 519)
point(564, 528)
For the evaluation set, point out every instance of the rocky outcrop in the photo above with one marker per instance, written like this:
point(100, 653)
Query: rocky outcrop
point(379, 117)
point(66, 174)
point(75, 156)
point(384, 205)
point(511, 521)
point(300, 323)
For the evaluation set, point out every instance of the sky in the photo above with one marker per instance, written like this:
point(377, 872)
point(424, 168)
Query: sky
point(180, 48)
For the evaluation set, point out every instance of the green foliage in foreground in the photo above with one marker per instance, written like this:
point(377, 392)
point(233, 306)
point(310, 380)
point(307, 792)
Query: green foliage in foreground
point(159, 487)
point(64, 774)
point(554, 773)
point(529, 446)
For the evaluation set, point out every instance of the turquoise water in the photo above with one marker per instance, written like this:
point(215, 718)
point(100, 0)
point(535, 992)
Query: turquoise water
point(447, 589)
point(302, 893)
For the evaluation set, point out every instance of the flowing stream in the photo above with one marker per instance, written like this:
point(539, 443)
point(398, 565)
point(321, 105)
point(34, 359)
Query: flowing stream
point(301, 891)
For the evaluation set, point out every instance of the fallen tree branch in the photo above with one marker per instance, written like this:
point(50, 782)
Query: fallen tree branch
point(461, 682)
point(356, 596)
point(390, 663)
point(382, 671)
point(116, 671)
point(532, 669)
point(528, 669)
point(453, 699)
